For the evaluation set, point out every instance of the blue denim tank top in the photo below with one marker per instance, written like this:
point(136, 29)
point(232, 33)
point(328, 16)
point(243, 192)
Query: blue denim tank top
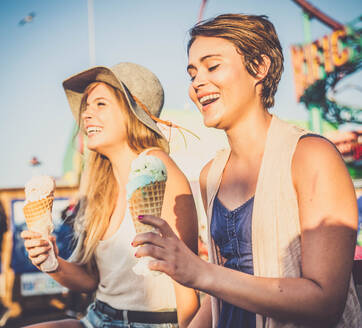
point(231, 232)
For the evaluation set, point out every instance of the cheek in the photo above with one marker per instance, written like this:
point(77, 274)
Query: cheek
point(193, 97)
point(117, 122)
point(192, 94)
point(118, 130)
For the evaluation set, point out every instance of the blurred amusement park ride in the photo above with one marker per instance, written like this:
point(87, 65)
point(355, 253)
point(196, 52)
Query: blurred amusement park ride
point(29, 296)
point(318, 68)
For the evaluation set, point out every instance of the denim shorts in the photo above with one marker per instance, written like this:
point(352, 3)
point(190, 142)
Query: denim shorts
point(97, 319)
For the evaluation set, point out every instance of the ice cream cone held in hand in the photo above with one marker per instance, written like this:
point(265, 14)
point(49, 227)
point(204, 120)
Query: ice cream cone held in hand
point(146, 189)
point(147, 200)
point(39, 194)
point(145, 193)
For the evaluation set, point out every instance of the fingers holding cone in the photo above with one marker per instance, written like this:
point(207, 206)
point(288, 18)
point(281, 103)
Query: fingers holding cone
point(37, 247)
point(161, 224)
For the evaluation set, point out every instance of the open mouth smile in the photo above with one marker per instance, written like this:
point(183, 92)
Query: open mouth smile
point(208, 99)
point(93, 130)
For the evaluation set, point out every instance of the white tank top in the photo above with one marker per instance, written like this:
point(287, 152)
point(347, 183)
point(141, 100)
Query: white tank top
point(119, 286)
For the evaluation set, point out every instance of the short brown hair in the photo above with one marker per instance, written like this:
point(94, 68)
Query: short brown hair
point(253, 36)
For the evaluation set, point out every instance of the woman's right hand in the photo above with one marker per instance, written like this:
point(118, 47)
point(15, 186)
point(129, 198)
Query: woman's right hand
point(170, 254)
point(72, 275)
point(37, 247)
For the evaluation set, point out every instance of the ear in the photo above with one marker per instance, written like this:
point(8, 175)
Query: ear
point(263, 67)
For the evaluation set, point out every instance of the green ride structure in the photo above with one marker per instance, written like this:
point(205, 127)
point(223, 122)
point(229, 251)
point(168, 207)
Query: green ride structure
point(319, 66)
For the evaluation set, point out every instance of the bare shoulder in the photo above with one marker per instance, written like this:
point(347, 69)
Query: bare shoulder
point(316, 145)
point(317, 154)
point(158, 152)
point(179, 207)
point(322, 181)
point(172, 168)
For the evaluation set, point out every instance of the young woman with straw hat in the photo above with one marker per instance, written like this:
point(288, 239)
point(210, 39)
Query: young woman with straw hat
point(281, 207)
point(118, 109)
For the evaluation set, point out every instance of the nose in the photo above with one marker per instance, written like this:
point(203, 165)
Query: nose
point(87, 113)
point(198, 81)
point(193, 95)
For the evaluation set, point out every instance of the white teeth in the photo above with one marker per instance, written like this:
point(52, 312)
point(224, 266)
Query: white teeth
point(93, 129)
point(202, 100)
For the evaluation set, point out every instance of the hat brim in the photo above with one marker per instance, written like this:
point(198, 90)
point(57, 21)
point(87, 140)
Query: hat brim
point(75, 85)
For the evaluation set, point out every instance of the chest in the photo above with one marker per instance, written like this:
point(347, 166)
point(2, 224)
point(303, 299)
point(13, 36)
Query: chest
point(117, 247)
point(238, 183)
point(116, 218)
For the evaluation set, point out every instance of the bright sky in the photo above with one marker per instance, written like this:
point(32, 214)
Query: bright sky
point(37, 57)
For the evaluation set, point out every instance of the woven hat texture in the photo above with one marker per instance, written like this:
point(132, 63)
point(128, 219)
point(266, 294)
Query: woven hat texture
point(132, 79)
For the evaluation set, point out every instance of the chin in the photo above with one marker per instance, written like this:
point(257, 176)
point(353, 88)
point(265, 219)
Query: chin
point(208, 124)
point(91, 147)
point(211, 122)
point(95, 148)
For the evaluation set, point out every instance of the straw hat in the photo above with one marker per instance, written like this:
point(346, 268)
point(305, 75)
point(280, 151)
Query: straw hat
point(143, 90)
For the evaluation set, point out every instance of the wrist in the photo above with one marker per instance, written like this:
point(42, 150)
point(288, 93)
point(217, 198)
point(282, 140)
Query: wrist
point(204, 276)
point(58, 269)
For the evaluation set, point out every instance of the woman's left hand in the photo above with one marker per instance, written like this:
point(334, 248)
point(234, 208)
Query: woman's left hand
point(170, 254)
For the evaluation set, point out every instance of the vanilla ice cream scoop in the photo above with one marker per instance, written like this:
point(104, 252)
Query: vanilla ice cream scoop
point(39, 187)
point(39, 194)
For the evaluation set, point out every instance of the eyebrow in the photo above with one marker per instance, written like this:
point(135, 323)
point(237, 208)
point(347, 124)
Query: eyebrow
point(202, 59)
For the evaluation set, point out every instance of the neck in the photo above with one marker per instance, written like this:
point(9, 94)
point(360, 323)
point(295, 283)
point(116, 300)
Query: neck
point(247, 137)
point(121, 164)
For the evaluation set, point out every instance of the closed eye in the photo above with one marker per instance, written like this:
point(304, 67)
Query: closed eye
point(192, 71)
point(213, 68)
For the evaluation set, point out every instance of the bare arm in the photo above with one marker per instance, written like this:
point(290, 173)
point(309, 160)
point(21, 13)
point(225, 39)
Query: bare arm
point(70, 275)
point(203, 317)
point(180, 212)
point(75, 277)
point(328, 217)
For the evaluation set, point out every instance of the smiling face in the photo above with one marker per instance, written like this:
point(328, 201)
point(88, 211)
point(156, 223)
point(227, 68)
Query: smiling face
point(103, 120)
point(220, 87)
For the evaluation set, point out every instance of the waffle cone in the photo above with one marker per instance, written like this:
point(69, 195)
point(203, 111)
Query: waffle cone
point(147, 200)
point(38, 213)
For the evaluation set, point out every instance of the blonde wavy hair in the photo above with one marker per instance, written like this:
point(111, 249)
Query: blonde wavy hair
point(98, 188)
